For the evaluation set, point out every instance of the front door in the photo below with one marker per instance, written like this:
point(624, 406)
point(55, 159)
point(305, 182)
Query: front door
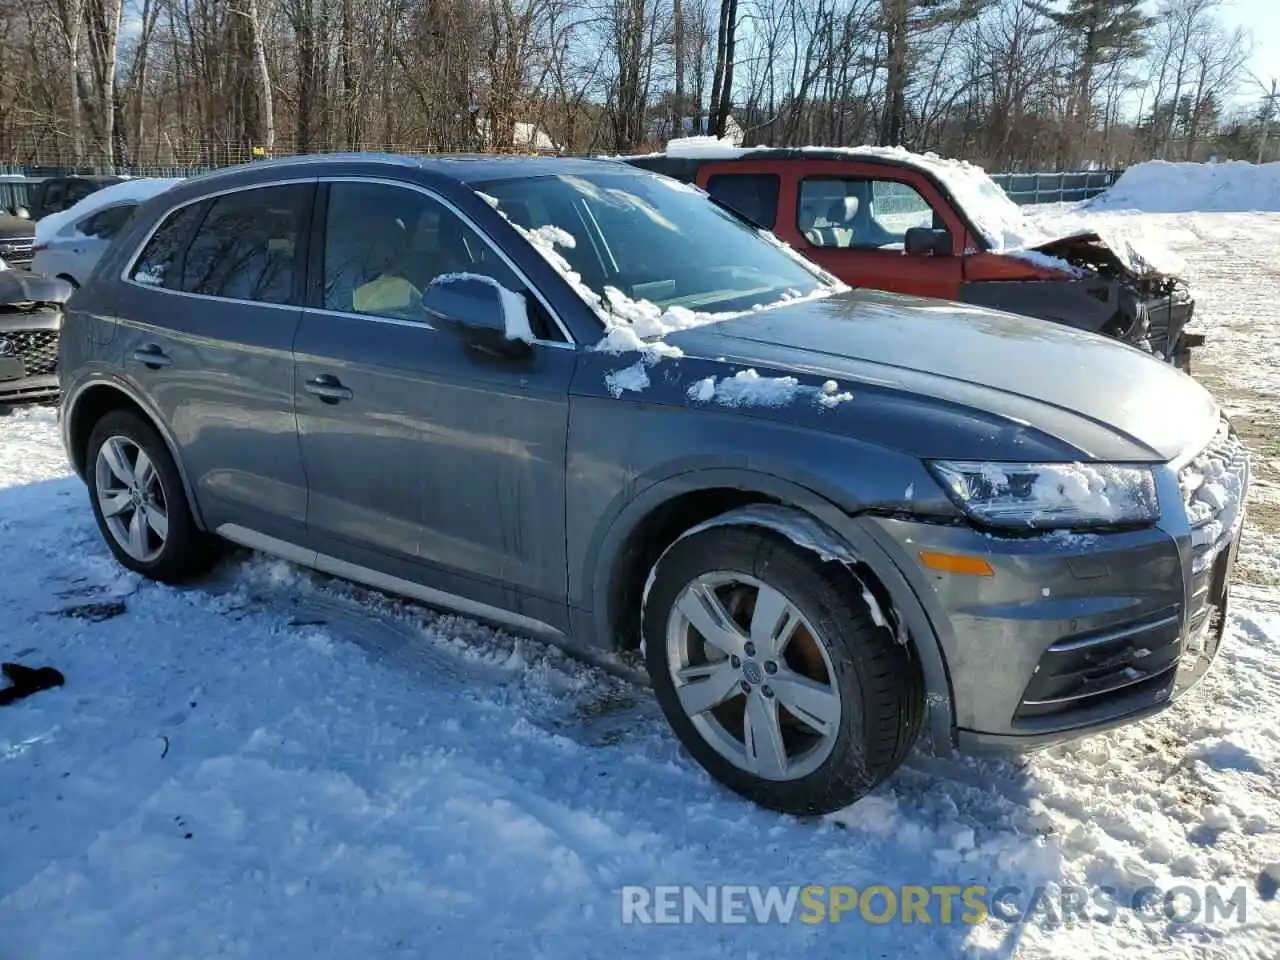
point(427, 459)
point(212, 306)
point(854, 224)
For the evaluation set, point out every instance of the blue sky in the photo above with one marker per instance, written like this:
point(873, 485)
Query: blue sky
point(1263, 18)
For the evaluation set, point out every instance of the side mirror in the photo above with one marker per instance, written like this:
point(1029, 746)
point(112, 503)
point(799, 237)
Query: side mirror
point(481, 311)
point(926, 241)
point(22, 212)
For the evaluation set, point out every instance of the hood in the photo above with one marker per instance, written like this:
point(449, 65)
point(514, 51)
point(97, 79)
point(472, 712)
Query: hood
point(20, 288)
point(1110, 248)
point(1021, 386)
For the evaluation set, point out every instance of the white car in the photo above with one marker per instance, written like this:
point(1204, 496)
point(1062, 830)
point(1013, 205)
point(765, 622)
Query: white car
point(69, 243)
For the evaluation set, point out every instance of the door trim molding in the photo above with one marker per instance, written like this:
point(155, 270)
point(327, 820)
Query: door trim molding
point(324, 563)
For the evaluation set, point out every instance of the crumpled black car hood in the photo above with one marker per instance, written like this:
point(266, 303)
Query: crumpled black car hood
point(21, 289)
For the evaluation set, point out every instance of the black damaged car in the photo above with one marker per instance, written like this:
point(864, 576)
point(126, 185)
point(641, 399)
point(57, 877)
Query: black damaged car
point(30, 322)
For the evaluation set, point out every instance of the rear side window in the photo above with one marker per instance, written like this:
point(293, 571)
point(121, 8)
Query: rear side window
point(157, 265)
point(247, 248)
point(105, 224)
point(754, 195)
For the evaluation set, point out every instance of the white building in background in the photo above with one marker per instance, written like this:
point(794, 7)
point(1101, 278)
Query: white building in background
point(525, 138)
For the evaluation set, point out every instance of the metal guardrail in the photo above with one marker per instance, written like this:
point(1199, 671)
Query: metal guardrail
point(1064, 187)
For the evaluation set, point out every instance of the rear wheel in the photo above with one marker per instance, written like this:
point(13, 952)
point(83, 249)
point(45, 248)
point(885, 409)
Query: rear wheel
point(140, 504)
point(773, 674)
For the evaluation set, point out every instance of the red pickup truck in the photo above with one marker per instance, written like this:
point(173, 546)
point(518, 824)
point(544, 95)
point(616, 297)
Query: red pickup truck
point(919, 224)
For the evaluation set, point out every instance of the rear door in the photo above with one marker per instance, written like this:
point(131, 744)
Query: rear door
point(426, 459)
point(210, 309)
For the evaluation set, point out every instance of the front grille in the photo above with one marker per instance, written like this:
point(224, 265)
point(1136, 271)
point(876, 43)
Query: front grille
point(1083, 671)
point(37, 348)
point(17, 252)
point(1213, 495)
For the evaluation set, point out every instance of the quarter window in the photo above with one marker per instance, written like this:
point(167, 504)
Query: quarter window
point(754, 195)
point(384, 245)
point(157, 266)
point(861, 212)
point(248, 246)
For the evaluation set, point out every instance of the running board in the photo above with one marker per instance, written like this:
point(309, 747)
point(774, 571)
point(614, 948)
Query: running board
point(385, 581)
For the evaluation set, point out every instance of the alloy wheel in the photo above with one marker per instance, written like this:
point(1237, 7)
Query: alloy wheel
point(131, 498)
point(753, 675)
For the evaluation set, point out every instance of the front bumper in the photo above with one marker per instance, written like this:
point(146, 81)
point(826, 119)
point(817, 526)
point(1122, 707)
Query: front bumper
point(1077, 633)
point(29, 355)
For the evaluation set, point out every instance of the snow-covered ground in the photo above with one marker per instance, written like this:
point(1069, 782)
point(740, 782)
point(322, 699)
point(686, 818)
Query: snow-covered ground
point(275, 764)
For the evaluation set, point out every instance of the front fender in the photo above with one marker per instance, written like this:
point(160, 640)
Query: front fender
point(839, 535)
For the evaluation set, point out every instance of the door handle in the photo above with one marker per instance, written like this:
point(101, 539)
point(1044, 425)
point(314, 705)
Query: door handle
point(328, 388)
point(152, 357)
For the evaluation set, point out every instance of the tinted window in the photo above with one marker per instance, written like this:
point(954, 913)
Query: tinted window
point(754, 195)
point(77, 190)
point(385, 244)
point(157, 265)
point(248, 245)
point(860, 212)
point(105, 224)
point(652, 239)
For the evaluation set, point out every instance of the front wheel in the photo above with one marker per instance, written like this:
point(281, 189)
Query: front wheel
point(773, 674)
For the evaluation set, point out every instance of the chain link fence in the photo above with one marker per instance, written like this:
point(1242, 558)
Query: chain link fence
point(1023, 188)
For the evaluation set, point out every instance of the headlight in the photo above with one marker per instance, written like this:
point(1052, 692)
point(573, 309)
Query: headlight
point(1051, 495)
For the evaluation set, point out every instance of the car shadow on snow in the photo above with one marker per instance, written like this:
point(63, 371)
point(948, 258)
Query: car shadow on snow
point(583, 753)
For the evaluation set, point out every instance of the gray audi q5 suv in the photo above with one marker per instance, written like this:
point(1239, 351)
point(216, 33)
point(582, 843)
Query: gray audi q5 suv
point(585, 401)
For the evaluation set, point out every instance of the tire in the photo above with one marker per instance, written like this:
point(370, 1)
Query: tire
point(841, 749)
point(184, 550)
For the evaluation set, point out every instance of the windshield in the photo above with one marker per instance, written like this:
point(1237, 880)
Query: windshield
point(655, 240)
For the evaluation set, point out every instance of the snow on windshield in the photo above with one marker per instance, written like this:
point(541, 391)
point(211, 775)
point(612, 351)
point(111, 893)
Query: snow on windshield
point(637, 325)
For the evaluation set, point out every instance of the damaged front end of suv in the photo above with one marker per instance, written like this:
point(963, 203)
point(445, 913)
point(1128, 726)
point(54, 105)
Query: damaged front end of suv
point(30, 323)
point(1103, 284)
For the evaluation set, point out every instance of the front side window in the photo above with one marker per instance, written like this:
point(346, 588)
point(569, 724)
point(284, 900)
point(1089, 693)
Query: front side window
point(655, 240)
point(247, 248)
point(754, 195)
point(384, 245)
point(158, 264)
point(845, 212)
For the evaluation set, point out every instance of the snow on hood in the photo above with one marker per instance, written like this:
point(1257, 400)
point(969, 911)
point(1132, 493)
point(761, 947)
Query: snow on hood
point(139, 189)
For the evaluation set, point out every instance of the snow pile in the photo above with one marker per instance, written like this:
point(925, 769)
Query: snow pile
point(140, 190)
point(1162, 187)
point(747, 388)
point(998, 219)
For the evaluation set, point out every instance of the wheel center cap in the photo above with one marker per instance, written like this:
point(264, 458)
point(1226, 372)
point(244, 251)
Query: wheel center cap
point(751, 672)
point(135, 496)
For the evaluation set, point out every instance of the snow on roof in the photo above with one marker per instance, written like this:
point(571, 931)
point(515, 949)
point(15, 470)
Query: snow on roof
point(137, 189)
point(998, 220)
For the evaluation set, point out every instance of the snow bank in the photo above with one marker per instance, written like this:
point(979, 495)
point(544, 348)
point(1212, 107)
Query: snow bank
point(139, 189)
point(1161, 187)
